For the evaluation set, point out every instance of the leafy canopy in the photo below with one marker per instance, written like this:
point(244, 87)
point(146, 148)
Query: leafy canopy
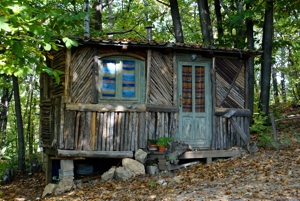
point(27, 29)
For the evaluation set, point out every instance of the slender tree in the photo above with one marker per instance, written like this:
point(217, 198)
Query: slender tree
point(21, 143)
point(176, 21)
point(251, 75)
point(205, 21)
point(98, 15)
point(5, 101)
point(266, 58)
point(219, 21)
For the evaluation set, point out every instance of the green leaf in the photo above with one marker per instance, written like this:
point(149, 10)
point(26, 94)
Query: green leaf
point(3, 25)
point(47, 46)
point(69, 42)
point(17, 48)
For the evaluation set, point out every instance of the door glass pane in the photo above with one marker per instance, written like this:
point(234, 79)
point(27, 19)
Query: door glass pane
point(109, 78)
point(187, 95)
point(200, 88)
point(128, 79)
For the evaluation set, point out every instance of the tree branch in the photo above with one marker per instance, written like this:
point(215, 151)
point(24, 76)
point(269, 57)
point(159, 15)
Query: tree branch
point(168, 5)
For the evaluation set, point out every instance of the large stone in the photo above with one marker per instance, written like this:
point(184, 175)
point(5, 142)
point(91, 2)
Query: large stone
point(108, 175)
point(122, 174)
point(49, 189)
point(140, 156)
point(134, 166)
point(65, 185)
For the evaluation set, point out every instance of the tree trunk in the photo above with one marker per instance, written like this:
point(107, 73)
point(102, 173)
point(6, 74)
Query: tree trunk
point(21, 144)
point(219, 21)
point(282, 80)
point(176, 21)
point(239, 37)
point(250, 41)
point(266, 58)
point(205, 21)
point(111, 16)
point(29, 129)
point(5, 100)
point(275, 84)
point(98, 15)
point(86, 19)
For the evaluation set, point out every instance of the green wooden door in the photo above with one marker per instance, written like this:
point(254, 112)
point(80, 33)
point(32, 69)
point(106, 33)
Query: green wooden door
point(195, 104)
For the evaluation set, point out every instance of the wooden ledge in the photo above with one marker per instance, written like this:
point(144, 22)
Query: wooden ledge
point(211, 154)
point(235, 112)
point(94, 154)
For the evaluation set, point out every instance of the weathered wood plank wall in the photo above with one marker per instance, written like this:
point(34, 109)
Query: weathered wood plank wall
point(230, 86)
point(51, 93)
point(230, 83)
point(161, 79)
point(226, 136)
point(114, 131)
point(81, 74)
point(106, 129)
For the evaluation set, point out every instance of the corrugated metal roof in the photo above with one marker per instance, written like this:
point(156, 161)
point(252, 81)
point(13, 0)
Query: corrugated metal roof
point(170, 45)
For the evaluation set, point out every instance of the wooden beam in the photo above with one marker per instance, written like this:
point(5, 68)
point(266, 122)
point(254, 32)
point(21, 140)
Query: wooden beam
point(211, 154)
point(85, 107)
point(94, 154)
point(239, 130)
point(237, 112)
point(161, 108)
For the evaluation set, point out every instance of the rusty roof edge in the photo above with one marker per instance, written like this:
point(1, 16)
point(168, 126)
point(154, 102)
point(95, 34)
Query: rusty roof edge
point(169, 45)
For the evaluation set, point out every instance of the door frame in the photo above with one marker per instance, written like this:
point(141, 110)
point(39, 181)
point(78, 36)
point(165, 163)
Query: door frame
point(208, 98)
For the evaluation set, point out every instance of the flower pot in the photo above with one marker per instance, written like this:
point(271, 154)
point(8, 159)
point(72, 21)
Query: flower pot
point(152, 147)
point(161, 148)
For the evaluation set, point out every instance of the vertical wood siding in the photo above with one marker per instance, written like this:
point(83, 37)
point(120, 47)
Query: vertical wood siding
point(115, 131)
point(225, 135)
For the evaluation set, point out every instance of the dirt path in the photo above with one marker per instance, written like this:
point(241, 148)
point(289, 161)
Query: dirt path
point(268, 175)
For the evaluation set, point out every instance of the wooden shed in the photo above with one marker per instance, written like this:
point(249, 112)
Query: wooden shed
point(115, 95)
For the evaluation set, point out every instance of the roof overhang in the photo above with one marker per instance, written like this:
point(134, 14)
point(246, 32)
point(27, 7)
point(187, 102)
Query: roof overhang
point(207, 50)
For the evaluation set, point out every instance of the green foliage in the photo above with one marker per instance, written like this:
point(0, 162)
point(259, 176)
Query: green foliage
point(262, 127)
point(3, 154)
point(164, 141)
point(153, 184)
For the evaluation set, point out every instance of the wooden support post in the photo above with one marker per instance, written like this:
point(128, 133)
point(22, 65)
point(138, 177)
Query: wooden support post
point(209, 160)
point(48, 169)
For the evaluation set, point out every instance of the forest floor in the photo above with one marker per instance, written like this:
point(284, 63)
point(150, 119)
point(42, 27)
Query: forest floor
point(269, 174)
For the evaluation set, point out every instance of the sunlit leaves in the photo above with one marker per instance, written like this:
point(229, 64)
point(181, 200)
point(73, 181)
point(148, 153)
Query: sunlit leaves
point(69, 42)
point(4, 25)
point(26, 31)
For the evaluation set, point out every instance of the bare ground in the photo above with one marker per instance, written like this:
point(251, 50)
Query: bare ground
point(267, 175)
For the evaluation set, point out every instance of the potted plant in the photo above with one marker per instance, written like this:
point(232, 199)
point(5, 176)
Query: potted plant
point(152, 145)
point(163, 142)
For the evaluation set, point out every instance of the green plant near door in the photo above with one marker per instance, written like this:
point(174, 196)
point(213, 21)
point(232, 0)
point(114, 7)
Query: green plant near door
point(164, 141)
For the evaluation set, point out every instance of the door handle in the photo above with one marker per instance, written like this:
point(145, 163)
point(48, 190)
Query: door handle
point(180, 101)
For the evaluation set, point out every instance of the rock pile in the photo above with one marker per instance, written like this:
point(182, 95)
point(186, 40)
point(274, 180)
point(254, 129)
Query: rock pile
point(129, 168)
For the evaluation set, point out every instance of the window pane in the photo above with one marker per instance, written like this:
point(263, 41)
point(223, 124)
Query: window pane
point(109, 78)
point(200, 88)
point(128, 79)
point(187, 94)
